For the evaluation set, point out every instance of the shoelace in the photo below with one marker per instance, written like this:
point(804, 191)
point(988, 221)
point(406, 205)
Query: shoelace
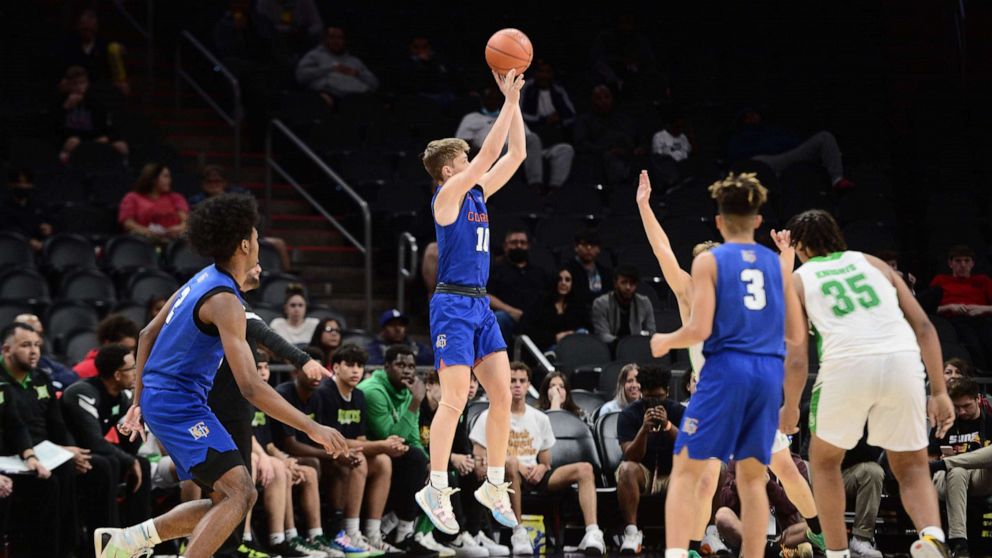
point(446, 509)
point(501, 489)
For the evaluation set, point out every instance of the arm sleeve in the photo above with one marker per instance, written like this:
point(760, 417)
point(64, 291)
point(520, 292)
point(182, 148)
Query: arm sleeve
point(264, 335)
point(86, 423)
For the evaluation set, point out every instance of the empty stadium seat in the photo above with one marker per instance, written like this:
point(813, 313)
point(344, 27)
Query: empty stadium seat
point(77, 344)
point(26, 285)
point(90, 286)
point(273, 290)
point(588, 401)
point(132, 310)
point(608, 378)
point(63, 252)
point(637, 348)
point(10, 309)
point(68, 316)
point(15, 252)
point(150, 283)
point(581, 349)
point(128, 253)
point(475, 409)
point(184, 260)
point(610, 454)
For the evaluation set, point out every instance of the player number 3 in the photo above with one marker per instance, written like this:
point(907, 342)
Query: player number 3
point(755, 280)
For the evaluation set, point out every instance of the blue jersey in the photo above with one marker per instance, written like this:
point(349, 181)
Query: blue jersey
point(187, 352)
point(750, 302)
point(463, 246)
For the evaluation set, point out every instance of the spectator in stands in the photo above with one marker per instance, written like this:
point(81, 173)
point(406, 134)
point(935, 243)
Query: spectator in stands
point(622, 312)
point(296, 327)
point(392, 331)
point(92, 409)
point(779, 149)
point(61, 376)
point(558, 315)
point(154, 306)
point(296, 24)
point(628, 390)
point(958, 368)
point(515, 285)
point(622, 57)
point(529, 465)
point(151, 209)
point(556, 395)
point(609, 135)
point(475, 126)
point(590, 278)
point(102, 60)
point(547, 109)
point(670, 147)
point(963, 465)
point(81, 117)
point(327, 338)
point(426, 73)
point(239, 37)
point(646, 431)
point(967, 304)
point(22, 213)
point(688, 387)
point(115, 329)
point(333, 71)
point(891, 257)
point(863, 478)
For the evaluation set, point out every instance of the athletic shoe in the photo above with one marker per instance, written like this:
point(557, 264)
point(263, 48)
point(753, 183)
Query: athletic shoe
point(342, 543)
point(389, 522)
point(381, 545)
point(496, 497)
point(632, 545)
point(362, 542)
point(323, 544)
point(491, 546)
point(816, 539)
point(114, 543)
point(862, 548)
point(712, 544)
point(427, 541)
point(520, 542)
point(593, 544)
point(247, 549)
point(465, 545)
point(693, 554)
point(959, 549)
point(928, 547)
point(436, 504)
point(411, 546)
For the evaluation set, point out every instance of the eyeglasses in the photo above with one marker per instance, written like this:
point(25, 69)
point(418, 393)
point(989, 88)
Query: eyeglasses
point(331, 329)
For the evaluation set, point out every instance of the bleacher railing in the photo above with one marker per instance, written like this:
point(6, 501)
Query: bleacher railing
point(524, 344)
point(406, 267)
point(232, 117)
point(146, 30)
point(365, 245)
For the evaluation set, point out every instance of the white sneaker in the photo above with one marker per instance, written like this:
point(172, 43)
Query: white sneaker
point(496, 497)
point(428, 542)
point(381, 544)
point(491, 546)
point(389, 523)
point(436, 504)
point(713, 544)
point(520, 541)
point(593, 544)
point(465, 545)
point(862, 548)
point(632, 544)
point(114, 543)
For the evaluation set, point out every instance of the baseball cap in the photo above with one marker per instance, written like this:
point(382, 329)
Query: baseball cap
point(393, 314)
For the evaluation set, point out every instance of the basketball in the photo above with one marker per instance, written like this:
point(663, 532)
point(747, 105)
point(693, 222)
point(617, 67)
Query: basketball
point(509, 49)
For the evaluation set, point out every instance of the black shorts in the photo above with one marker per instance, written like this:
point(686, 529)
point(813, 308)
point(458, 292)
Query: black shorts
point(541, 487)
point(217, 463)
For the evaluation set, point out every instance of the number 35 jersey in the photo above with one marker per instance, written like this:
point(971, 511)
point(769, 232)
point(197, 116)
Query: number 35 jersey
point(463, 246)
point(853, 308)
point(750, 308)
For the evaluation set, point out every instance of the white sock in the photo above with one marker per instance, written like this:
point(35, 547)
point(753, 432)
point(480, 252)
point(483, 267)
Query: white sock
point(143, 532)
point(351, 527)
point(246, 537)
point(591, 528)
point(403, 529)
point(314, 533)
point(846, 553)
point(291, 534)
point(496, 475)
point(935, 532)
point(373, 529)
point(676, 553)
point(630, 529)
point(439, 479)
point(277, 538)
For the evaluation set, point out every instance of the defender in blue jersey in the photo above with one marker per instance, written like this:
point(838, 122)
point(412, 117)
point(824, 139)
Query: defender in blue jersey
point(463, 326)
point(739, 311)
point(178, 354)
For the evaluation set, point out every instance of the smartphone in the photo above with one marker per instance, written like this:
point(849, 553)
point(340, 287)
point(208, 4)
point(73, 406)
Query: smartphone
point(650, 403)
point(946, 451)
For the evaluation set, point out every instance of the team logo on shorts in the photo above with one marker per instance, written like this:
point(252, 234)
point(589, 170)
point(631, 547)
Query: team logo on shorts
point(199, 430)
point(749, 256)
point(690, 426)
point(441, 341)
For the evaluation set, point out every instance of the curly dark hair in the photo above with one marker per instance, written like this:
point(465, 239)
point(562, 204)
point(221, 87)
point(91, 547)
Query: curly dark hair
point(218, 225)
point(115, 328)
point(817, 232)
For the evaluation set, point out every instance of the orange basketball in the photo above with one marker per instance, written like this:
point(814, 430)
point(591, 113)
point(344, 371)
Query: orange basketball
point(509, 49)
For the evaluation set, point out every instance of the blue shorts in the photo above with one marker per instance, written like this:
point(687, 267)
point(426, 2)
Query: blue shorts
point(464, 330)
point(734, 412)
point(186, 427)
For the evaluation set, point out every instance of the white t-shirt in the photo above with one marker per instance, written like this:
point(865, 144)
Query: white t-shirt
point(676, 147)
point(298, 334)
point(530, 434)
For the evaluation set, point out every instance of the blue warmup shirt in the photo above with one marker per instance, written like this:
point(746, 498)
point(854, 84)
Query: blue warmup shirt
point(463, 246)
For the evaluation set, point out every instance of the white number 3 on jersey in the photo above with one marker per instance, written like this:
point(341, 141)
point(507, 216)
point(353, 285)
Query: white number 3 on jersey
point(755, 280)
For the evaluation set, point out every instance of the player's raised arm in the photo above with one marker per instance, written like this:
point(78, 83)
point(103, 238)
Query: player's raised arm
point(700, 323)
point(678, 280)
point(503, 170)
point(796, 354)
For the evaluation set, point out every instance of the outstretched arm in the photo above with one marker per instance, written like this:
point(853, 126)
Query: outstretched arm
point(678, 280)
point(503, 170)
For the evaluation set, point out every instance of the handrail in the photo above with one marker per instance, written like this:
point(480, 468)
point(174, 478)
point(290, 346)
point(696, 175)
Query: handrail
point(236, 115)
point(404, 274)
point(364, 246)
point(147, 31)
point(524, 343)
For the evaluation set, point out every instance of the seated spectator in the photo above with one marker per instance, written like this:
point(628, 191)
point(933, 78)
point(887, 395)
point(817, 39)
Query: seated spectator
point(115, 329)
point(529, 465)
point(963, 461)
point(547, 109)
point(93, 407)
point(628, 390)
point(333, 71)
point(967, 304)
point(622, 312)
point(22, 213)
point(392, 332)
point(426, 73)
point(779, 149)
point(891, 257)
point(61, 376)
point(956, 368)
point(102, 59)
point(327, 338)
point(590, 278)
point(555, 395)
point(646, 430)
point(515, 285)
point(610, 136)
point(475, 126)
point(688, 387)
point(560, 314)
point(670, 147)
point(863, 478)
point(152, 210)
point(296, 327)
point(154, 306)
point(295, 25)
point(239, 37)
point(81, 117)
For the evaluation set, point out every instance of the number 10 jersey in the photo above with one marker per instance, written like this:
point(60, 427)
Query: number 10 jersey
point(463, 246)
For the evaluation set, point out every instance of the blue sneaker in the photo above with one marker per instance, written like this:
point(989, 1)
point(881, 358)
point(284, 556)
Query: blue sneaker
point(343, 543)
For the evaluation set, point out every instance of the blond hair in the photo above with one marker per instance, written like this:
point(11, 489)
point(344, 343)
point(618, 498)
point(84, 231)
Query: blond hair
point(441, 153)
point(739, 194)
point(703, 247)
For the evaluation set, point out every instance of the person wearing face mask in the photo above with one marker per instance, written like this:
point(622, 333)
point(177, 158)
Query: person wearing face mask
point(21, 213)
point(516, 286)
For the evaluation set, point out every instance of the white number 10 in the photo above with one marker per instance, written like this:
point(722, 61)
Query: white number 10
point(483, 244)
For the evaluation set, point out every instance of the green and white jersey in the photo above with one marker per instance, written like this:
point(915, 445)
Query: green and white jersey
point(853, 307)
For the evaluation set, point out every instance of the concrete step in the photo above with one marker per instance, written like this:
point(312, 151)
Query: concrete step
point(304, 255)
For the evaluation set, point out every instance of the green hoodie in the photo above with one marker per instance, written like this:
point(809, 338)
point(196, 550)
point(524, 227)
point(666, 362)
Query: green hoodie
point(389, 410)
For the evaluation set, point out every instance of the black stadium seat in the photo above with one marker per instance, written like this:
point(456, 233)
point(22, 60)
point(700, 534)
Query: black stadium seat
point(63, 252)
point(25, 285)
point(610, 454)
point(581, 349)
point(150, 283)
point(588, 401)
point(637, 348)
point(608, 378)
point(184, 260)
point(132, 310)
point(67, 316)
point(475, 409)
point(10, 309)
point(15, 252)
point(127, 253)
point(77, 344)
point(90, 286)
point(273, 290)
